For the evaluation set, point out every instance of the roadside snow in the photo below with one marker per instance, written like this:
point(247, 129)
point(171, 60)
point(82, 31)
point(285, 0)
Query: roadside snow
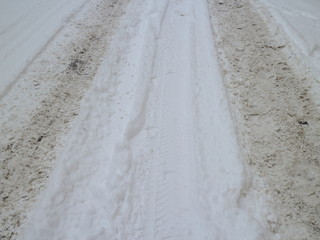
point(26, 27)
point(301, 21)
point(153, 153)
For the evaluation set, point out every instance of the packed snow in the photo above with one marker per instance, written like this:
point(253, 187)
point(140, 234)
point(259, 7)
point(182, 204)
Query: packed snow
point(153, 154)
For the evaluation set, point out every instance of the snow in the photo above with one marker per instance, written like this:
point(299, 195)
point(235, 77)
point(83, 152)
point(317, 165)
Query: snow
point(301, 21)
point(269, 90)
point(36, 112)
point(26, 27)
point(153, 153)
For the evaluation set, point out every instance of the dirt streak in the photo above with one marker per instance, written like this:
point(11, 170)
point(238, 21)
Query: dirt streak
point(275, 114)
point(28, 154)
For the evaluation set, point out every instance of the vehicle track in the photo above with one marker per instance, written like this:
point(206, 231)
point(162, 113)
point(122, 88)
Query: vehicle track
point(153, 154)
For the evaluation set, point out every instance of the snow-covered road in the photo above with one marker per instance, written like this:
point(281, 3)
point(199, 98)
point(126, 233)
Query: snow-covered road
point(159, 119)
point(153, 153)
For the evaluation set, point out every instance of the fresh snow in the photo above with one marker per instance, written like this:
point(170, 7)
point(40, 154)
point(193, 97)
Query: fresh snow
point(153, 153)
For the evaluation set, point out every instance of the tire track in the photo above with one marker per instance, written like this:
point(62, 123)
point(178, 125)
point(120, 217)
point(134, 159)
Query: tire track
point(175, 145)
point(133, 156)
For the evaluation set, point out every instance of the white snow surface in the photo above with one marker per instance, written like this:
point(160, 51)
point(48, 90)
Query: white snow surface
point(301, 21)
point(153, 153)
point(26, 27)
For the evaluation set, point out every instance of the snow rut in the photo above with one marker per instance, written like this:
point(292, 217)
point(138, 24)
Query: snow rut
point(169, 168)
point(166, 166)
point(190, 164)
